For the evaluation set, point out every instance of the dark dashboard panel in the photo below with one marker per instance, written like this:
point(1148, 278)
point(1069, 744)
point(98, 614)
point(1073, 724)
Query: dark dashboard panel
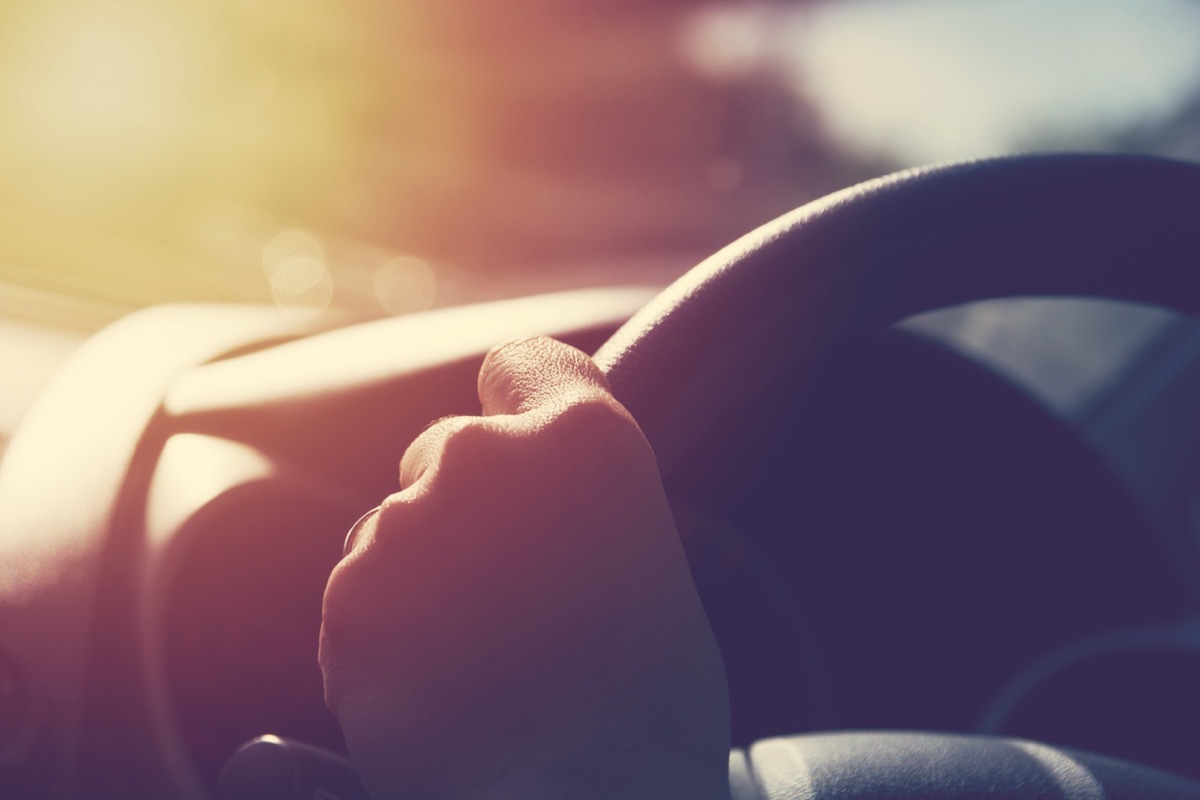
point(242, 614)
point(938, 534)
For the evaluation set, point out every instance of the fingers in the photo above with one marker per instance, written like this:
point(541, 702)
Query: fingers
point(535, 375)
point(534, 547)
point(425, 453)
point(523, 374)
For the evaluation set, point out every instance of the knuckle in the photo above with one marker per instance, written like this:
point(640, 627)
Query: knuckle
point(597, 433)
point(469, 447)
point(596, 417)
point(466, 460)
point(512, 349)
point(452, 443)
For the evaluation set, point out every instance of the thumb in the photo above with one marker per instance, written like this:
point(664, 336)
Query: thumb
point(538, 372)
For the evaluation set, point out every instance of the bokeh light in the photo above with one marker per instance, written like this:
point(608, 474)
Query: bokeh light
point(294, 265)
point(405, 284)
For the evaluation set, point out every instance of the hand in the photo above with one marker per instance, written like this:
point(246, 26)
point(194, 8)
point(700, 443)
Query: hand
point(519, 620)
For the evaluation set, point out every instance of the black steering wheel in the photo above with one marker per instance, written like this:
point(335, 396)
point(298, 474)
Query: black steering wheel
point(869, 256)
point(770, 305)
point(757, 316)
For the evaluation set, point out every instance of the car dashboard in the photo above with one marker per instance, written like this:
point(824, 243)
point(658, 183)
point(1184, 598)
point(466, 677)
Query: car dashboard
point(170, 523)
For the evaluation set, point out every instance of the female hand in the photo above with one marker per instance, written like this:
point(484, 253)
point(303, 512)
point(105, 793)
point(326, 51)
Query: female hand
point(519, 619)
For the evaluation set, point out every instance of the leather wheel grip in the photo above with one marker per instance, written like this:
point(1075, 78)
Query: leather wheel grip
point(1123, 227)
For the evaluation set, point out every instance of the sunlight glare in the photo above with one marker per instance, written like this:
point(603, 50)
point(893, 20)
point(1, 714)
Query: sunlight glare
point(105, 78)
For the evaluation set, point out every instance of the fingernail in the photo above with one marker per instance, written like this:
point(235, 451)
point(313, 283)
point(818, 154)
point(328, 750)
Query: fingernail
point(355, 528)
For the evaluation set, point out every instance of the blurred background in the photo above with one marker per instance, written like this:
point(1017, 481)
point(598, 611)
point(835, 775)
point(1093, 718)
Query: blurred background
point(386, 157)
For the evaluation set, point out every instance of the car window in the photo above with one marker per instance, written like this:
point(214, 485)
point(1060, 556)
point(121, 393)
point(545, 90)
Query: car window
point(161, 151)
point(389, 157)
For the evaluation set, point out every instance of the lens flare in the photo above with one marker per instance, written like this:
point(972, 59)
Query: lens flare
point(295, 268)
point(405, 284)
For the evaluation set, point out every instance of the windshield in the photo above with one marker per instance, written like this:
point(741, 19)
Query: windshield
point(387, 157)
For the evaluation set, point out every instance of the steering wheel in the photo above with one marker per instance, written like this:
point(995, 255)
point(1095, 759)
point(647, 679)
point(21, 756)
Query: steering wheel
point(757, 316)
point(876, 253)
point(772, 303)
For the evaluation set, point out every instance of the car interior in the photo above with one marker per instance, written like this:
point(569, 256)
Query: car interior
point(954, 548)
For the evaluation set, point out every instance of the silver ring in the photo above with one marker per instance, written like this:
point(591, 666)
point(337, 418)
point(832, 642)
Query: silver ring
point(353, 533)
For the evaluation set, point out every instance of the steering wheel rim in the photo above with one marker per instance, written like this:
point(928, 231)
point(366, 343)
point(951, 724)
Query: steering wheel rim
point(1113, 226)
